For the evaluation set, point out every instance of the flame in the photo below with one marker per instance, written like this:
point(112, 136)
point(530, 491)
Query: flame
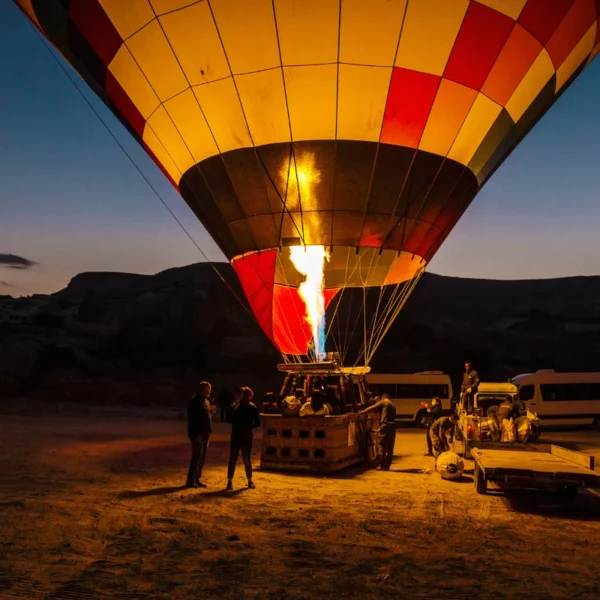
point(310, 262)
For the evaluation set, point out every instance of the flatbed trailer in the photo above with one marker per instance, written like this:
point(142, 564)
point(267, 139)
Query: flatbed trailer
point(535, 466)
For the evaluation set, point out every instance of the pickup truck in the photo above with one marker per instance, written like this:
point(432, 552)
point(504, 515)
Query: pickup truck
point(480, 428)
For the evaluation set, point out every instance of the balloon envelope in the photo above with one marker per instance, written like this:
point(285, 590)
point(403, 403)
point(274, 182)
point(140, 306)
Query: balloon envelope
point(365, 126)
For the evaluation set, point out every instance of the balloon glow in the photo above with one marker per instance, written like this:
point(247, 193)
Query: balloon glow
point(366, 127)
point(310, 262)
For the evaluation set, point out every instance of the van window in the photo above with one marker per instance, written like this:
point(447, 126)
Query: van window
point(378, 389)
point(526, 392)
point(564, 392)
point(420, 391)
point(423, 391)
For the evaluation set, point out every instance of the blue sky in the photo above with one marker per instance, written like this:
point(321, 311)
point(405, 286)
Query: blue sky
point(70, 200)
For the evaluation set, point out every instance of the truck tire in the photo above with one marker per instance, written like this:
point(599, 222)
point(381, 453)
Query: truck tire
point(567, 493)
point(480, 481)
point(466, 450)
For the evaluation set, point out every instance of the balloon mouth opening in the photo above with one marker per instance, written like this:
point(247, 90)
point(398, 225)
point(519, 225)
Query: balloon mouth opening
point(310, 261)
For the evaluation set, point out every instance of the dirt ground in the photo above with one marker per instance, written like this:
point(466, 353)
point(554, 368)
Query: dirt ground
point(91, 507)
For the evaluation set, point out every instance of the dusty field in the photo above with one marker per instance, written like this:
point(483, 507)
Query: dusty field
point(91, 508)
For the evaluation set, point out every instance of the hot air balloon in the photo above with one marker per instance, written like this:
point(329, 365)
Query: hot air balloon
point(358, 131)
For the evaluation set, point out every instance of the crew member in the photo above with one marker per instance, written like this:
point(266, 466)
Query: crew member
point(507, 410)
point(439, 432)
point(199, 421)
point(244, 418)
point(434, 412)
point(469, 386)
point(387, 429)
point(315, 407)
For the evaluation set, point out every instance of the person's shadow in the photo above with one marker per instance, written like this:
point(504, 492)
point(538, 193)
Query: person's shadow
point(179, 488)
point(153, 492)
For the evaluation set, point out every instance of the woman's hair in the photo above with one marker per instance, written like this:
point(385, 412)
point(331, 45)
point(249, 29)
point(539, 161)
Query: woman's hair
point(247, 392)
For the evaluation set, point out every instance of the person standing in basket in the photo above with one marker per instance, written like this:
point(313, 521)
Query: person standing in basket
point(244, 418)
point(199, 422)
point(387, 429)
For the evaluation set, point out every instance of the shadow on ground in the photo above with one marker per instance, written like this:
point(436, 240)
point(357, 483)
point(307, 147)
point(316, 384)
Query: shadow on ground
point(584, 507)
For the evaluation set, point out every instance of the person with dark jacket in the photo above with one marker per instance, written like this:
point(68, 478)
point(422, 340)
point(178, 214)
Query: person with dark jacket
point(470, 383)
point(438, 434)
point(507, 410)
point(434, 412)
point(387, 429)
point(244, 418)
point(199, 422)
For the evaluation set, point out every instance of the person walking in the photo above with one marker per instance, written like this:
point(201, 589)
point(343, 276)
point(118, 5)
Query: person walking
point(244, 418)
point(199, 422)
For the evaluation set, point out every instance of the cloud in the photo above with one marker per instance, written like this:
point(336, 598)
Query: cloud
point(15, 262)
point(4, 283)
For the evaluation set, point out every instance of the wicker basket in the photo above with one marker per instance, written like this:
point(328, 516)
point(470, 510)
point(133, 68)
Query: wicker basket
point(317, 444)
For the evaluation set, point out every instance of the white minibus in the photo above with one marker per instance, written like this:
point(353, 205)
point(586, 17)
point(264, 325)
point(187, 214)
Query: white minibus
point(409, 390)
point(562, 398)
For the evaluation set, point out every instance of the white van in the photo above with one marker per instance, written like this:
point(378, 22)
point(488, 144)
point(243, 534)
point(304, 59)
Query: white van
point(408, 391)
point(562, 398)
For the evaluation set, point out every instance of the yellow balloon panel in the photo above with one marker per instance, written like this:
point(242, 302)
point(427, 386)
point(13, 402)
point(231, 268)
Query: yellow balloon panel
point(247, 29)
point(370, 37)
point(362, 96)
point(308, 31)
point(201, 56)
point(221, 106)
point(311, 95)
point(263, 103)
point(428, 34)
point(129, 75)
point(171, 139)
point(184, 110)
point(153, 54)
point(162, 155)
point(161, 7)
point(479, 121)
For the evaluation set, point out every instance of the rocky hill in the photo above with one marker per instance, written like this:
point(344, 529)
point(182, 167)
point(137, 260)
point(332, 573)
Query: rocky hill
point(117, 337)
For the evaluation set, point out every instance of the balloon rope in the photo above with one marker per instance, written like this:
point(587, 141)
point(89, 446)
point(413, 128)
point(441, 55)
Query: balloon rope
point(408, 290)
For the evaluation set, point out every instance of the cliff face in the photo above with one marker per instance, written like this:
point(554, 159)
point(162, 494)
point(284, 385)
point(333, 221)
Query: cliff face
point(115, 337)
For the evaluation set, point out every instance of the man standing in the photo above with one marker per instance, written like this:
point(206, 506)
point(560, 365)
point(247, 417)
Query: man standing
point(199, 422)
point(439, 432)
point(387, 429)
point(469, 386)
point(244, 417)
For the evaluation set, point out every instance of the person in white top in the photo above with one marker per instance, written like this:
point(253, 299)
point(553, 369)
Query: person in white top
point(315, 406)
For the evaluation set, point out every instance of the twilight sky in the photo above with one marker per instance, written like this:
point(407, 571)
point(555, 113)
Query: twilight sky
point(70, 201)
